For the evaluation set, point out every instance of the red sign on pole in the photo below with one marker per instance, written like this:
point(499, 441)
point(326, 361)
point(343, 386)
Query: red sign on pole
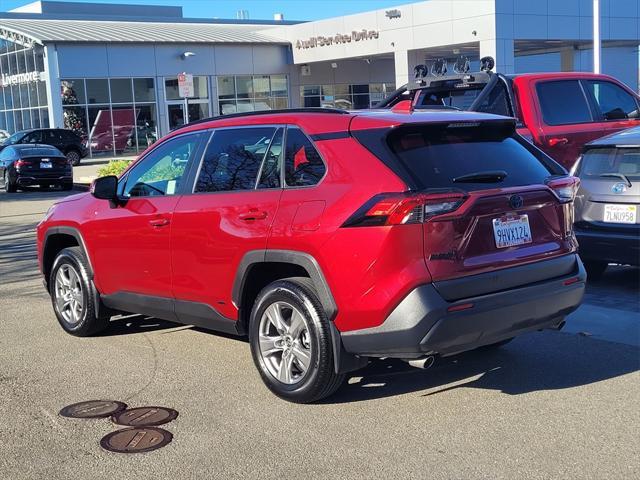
point(185, 85)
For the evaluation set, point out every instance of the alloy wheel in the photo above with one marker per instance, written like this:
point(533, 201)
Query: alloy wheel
point(73, 157)
point(69, 294)
point(285, 343)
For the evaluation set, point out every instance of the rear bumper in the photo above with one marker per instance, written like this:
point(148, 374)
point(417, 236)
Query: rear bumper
point(612, 247)
point(37, 179)
point(422, 324)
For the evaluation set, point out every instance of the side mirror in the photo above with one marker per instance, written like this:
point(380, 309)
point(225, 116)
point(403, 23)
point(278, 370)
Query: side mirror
point(105, 188)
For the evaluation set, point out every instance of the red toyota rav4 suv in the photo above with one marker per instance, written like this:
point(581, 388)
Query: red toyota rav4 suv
point(328, 237)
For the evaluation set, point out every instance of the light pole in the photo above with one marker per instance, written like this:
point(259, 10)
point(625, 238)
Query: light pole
point(596, 36)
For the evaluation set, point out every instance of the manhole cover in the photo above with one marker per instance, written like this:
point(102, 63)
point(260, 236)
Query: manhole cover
point(136, 440)
point(93, 409)
point(144, 416)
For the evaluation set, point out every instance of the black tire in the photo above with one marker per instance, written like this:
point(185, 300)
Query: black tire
point(88, 322)
point(320, 379)
point(595, 269)
point(67, 186)
point(74, 157)
point(9, 186)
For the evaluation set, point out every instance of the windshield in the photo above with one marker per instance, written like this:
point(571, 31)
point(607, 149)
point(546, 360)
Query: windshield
point(597, 162)
point(15, 138)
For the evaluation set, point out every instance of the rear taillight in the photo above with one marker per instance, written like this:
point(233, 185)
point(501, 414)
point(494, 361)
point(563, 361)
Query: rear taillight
point(405, 208)
point(22, 163)
point(565, 188)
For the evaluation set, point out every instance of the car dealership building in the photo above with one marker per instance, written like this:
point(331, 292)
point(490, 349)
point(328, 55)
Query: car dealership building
point(113, 73)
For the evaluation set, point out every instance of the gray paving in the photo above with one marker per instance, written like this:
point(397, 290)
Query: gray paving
point(548, 405)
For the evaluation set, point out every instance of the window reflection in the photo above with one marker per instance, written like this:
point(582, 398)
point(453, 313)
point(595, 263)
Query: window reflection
point(123, 123)
point(246, 93)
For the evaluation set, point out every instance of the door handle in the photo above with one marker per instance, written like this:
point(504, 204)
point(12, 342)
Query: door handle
point(159, 222)
point(558, 141)
point(253, 214)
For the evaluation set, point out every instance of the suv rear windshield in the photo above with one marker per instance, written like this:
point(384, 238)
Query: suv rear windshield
point(439, 155)
point(603, 162)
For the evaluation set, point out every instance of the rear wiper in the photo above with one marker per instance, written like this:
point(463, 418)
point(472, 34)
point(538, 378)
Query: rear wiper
point(621, 176)
point(490, 176)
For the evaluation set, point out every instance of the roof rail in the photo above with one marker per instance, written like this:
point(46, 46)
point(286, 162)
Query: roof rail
point(334, 111)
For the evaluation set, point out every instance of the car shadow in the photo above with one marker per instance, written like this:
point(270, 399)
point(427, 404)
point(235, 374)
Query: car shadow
point(35, 194)
point(535, 362)
point(618, 288)
point(133, 324)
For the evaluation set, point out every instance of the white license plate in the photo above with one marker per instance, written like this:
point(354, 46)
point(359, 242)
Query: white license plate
point(45, 164)
point(620, 213)
point(511, 231)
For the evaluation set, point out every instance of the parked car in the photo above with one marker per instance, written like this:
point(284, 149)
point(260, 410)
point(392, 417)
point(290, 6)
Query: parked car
point(607, 223)
point(4, 135)
point(66, 141)
point(346, 236)
point(558, 112)
point(24, 165)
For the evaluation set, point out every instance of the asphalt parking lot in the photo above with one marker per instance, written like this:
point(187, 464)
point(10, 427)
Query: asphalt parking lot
point(548, 405)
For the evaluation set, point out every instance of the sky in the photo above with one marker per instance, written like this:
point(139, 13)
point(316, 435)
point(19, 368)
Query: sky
point(258, 9)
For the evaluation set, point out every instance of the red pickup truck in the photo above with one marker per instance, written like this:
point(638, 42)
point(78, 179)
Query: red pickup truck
point(558, 112)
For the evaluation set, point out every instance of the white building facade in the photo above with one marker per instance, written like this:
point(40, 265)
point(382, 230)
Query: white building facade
point(110, 72)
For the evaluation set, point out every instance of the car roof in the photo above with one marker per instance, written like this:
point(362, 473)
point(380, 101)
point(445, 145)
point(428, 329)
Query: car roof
point(560, 75)
point(629, 137)
point(317, 121)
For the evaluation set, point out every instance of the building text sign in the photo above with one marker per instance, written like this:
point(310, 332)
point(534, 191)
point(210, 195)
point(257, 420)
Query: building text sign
point(337, 39)
point(185, 85)
point(19, 78)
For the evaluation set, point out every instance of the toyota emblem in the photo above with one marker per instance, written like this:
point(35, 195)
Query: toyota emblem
point(619, 188)
point(516, 201)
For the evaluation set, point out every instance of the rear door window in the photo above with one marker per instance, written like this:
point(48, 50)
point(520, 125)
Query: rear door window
point(303, 164)
point(438, 156)
point(613, 101)
point(563, 102)
point(233, 159)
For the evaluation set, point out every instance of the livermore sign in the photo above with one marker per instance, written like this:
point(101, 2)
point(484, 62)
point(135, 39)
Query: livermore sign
point(19, 78)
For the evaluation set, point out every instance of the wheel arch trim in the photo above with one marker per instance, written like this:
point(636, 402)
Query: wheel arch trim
point(302, 259)
point(70, 231)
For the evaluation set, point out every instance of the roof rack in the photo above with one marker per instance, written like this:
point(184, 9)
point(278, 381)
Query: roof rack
point(334, 111)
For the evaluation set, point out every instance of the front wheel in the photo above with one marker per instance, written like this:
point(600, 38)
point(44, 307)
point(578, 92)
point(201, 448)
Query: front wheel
point(291, 343)
point(73, 295)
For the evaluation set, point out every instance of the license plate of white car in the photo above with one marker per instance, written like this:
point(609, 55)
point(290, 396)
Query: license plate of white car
point(511, 231)
point(45, 164)
point(619, 213)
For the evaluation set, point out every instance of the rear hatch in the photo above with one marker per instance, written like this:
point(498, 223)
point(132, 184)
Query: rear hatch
point(42, 162)
point(490, 200)
point(609, 194)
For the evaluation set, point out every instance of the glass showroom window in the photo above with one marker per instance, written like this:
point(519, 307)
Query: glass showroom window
point(248, 93)
point(351, 97)
point(23, 92)
point(116, 116)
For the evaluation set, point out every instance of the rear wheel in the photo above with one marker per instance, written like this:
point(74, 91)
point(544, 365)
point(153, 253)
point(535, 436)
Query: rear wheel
point(73, 294)
point(73, 157)
point(595, 269)
point(9, 186)
point(291, 342)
